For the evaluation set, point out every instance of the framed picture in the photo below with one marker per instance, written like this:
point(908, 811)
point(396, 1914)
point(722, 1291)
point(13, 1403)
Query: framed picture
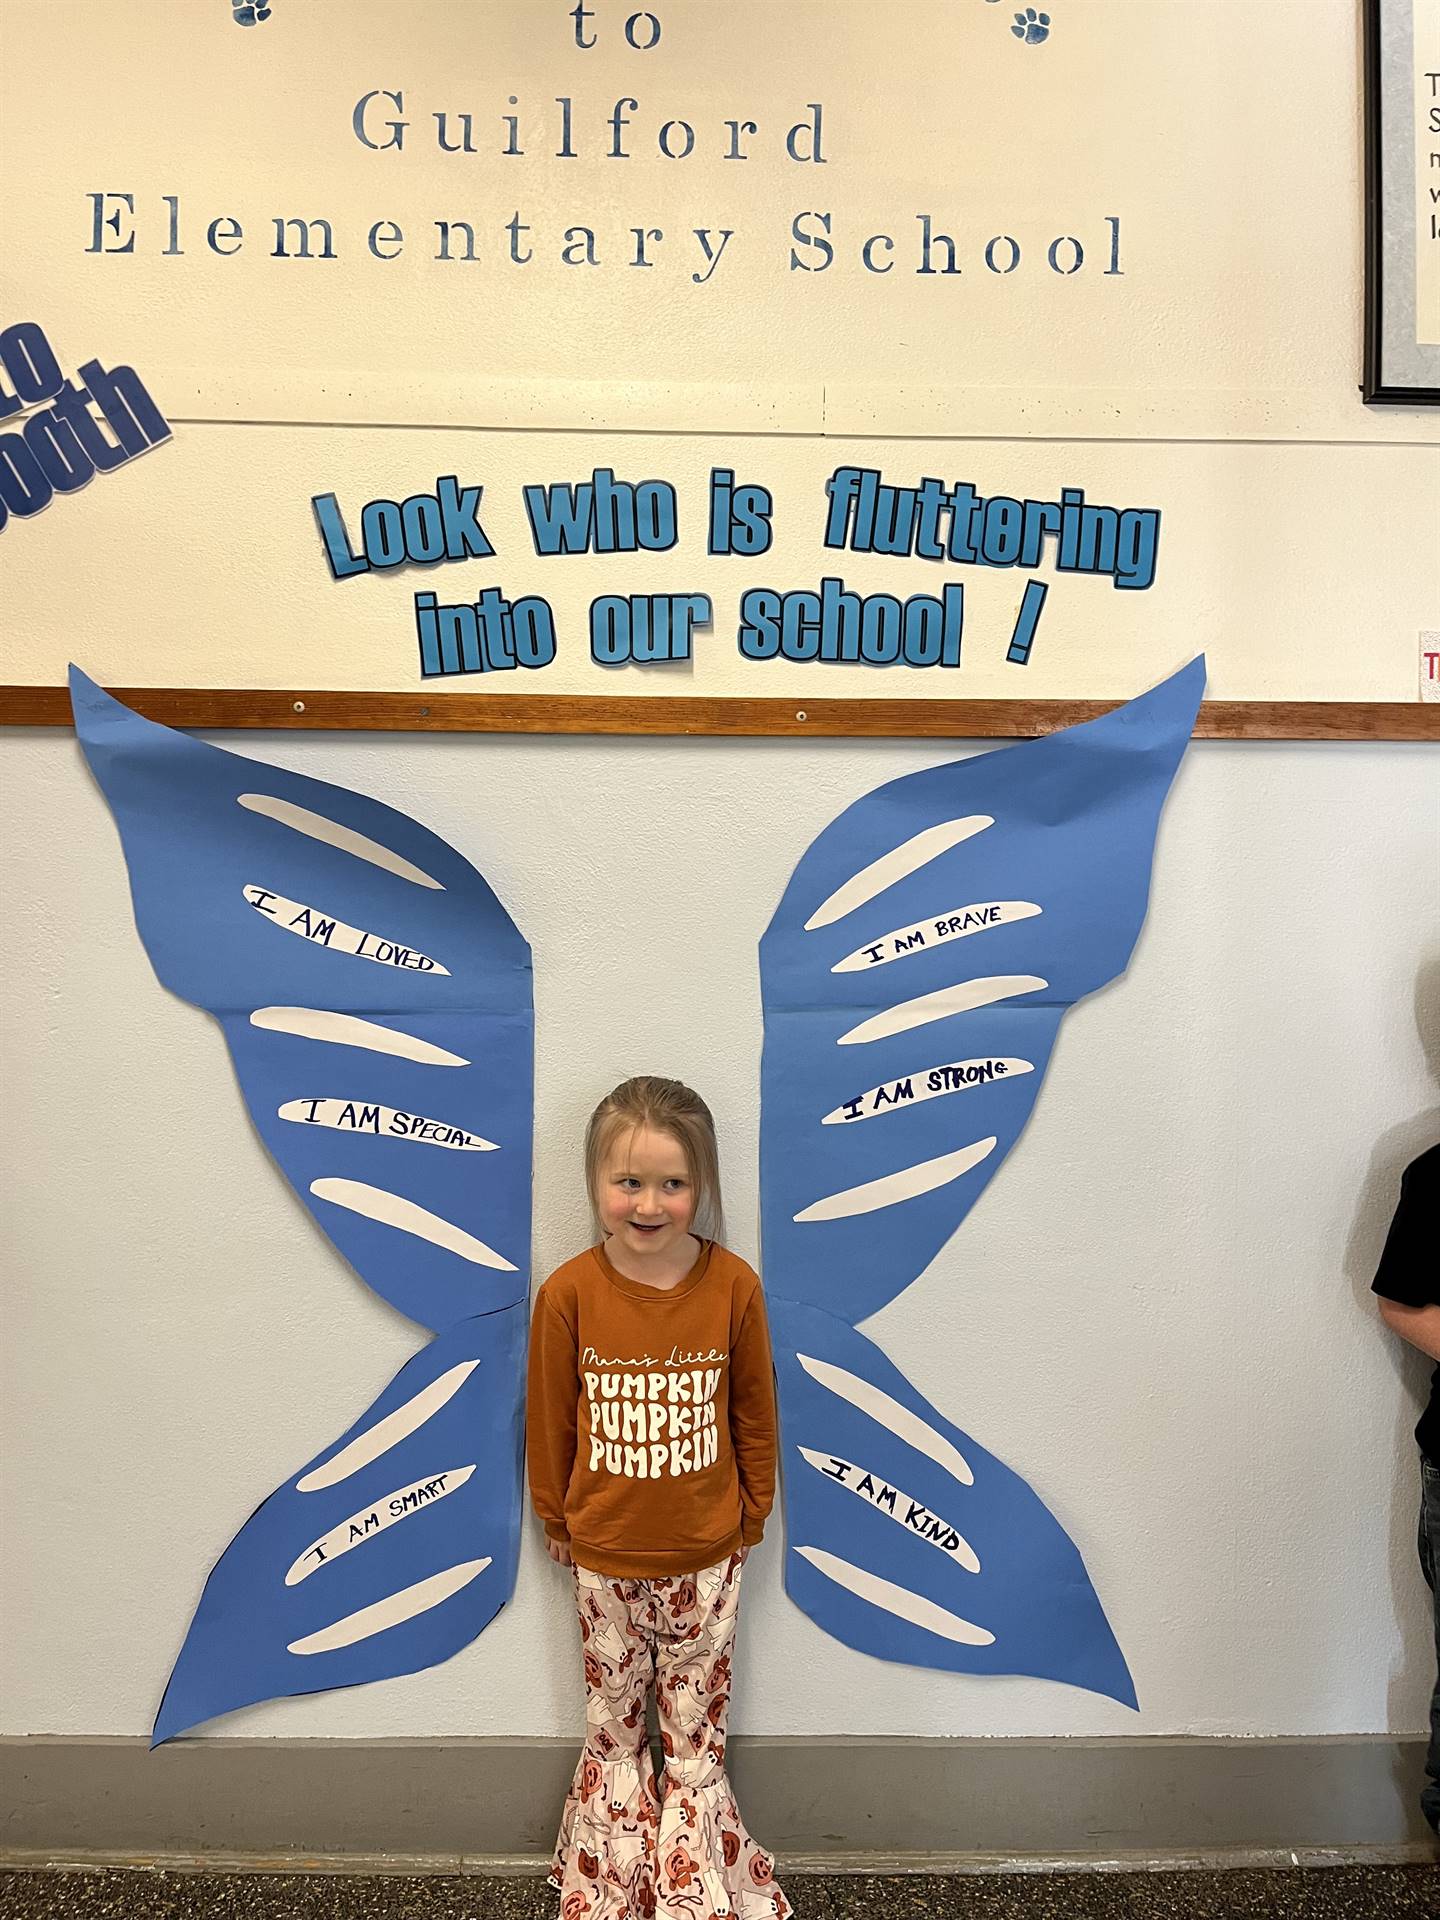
point(1402, 202)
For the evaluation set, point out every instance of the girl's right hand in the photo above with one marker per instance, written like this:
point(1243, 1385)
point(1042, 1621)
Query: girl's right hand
point(559, 1551)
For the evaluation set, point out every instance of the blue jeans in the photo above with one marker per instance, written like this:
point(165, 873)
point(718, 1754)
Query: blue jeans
point(1430, 1567)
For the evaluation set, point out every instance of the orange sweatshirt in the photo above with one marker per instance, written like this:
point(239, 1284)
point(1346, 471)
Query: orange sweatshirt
point(651, 1417)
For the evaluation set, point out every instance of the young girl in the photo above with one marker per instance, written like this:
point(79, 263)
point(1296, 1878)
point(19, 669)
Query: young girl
point(651, 1435)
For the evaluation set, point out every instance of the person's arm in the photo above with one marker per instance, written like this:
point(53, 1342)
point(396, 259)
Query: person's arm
point(551, 1418)
point(1405, 1282)
point(1419, 1325)
point(752, 1418)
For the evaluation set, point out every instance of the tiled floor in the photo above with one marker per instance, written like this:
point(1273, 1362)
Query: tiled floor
point(1330, 1893)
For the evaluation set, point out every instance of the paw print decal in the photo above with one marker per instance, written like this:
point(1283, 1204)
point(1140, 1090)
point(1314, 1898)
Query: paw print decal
point(1031, 27)
point(247, 15)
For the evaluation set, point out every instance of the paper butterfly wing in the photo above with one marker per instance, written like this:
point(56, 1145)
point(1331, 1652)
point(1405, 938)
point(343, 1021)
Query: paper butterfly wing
point(907, 1540)
point(375, 995)
point(914, 976)
point(388, 1552)
point(376, 998)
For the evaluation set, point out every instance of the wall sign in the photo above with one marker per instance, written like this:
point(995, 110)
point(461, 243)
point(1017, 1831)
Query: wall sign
point(577, 352)
point(1402, 202)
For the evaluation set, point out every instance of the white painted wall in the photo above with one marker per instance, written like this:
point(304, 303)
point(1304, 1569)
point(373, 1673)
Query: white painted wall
point(1158, 1313)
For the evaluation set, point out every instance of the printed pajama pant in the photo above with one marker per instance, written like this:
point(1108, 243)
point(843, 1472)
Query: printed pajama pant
point(629, 1848)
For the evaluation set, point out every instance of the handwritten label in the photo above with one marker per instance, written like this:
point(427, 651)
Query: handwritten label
point(957, 1076)
point(370, 1521)
point(938, 931)
point(393, 1123)
point(900, 1507)
point(323, 931)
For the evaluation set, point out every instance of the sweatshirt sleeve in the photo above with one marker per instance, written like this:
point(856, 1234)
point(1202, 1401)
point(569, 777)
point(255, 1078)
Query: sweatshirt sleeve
point(752, 1418)
point(551, 1414)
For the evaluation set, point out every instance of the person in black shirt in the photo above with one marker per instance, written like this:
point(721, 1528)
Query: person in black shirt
point(1408, 1283)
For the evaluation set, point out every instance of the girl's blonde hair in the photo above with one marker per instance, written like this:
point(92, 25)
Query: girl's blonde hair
point(666, 1106)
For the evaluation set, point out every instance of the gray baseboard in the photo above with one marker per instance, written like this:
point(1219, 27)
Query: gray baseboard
point(460, 1803)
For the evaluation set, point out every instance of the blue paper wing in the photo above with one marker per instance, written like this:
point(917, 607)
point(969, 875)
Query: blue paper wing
point(907, 1540)
point(388, 1552)
point(375, 995)
point(376, 998)
point(914, 976)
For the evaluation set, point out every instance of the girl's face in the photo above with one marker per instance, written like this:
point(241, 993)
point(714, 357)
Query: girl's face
point(647, 1198)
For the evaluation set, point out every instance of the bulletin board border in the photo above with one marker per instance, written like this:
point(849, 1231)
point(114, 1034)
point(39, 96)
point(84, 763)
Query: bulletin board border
point(357, 711)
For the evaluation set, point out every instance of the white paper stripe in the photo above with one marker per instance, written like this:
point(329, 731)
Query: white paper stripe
point(951, 1542)
point(389, 1432)
point(936, 930)
point(321, 929)
point(384, 1123)
point(316, 826)
point(391, 1611)
point(373, 1520)
point(889, 1412)
point(896, 865)
point(349, 1030)
point(963, 997)
point(924, 1177)
point(900, 1601)
point(926, 1083)
point(394, 1210)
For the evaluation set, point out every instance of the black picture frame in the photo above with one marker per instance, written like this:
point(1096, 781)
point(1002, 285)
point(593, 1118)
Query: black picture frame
point(1386, 22)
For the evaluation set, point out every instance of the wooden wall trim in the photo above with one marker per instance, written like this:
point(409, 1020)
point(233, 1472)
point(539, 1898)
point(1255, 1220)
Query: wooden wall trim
point(361, 712)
